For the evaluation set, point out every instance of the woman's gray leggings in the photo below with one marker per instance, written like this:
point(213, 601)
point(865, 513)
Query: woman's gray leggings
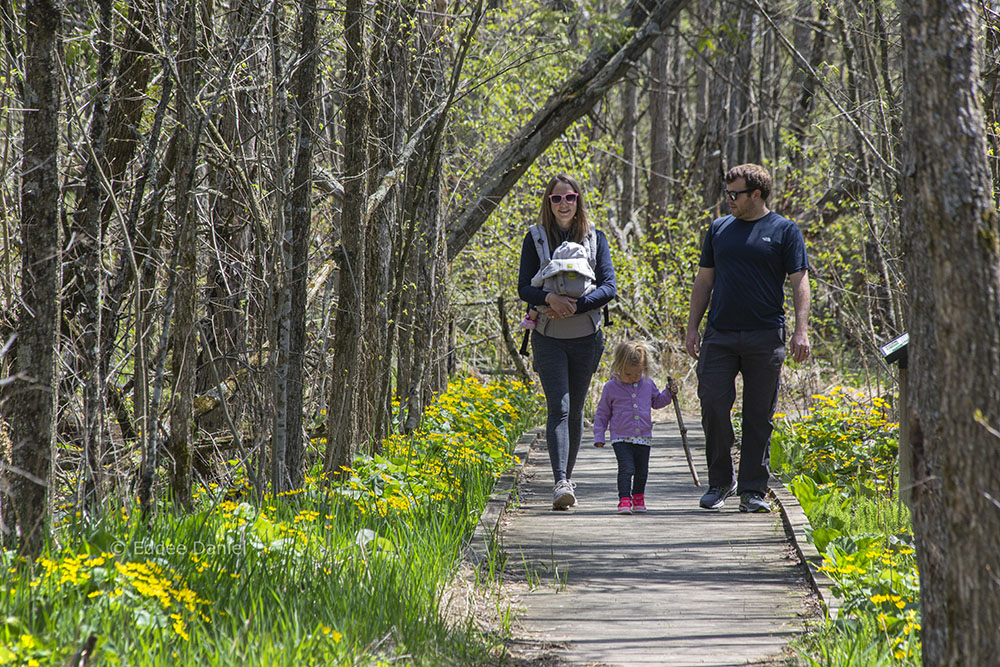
point(564, 367)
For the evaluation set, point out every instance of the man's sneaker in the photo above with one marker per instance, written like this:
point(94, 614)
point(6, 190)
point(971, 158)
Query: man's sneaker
point(638, 503)
point(625, 506)
point(562, 495)
point(753, 501)
point(716, 496)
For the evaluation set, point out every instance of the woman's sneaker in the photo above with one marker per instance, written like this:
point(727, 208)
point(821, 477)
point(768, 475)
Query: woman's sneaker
point(625, 506)
point(563, 496)
point(638, 503)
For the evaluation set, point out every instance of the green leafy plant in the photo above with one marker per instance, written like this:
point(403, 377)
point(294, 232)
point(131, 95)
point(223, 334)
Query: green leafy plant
point(839, 461)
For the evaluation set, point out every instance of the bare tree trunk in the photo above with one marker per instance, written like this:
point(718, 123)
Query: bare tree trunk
point(342, 425)
point(741, 125)
point(658, 193)
point(389, 60)
point(404, 326)
point(301, 224)
point(146, 397)
point(127, 103)
point(423, 205)
point(282, 264)
point(714, 161)
point(807, 84)
point(952, 264)
point(32, 398)
point(88, 263)
point(441, 344)
point(767, 109)
point(630, 121)
point(239, 128)
point(184, 338)
point(120, 115)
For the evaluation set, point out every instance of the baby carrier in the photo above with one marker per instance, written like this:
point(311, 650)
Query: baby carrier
point(568, 271)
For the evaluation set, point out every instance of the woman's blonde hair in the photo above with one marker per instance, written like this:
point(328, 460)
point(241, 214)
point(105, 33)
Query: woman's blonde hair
point(631, 353)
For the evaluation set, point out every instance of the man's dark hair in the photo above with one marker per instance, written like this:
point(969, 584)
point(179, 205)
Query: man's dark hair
point(754, 175)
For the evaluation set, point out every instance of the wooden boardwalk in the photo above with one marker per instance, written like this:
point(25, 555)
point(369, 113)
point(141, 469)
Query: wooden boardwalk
point(676, 586)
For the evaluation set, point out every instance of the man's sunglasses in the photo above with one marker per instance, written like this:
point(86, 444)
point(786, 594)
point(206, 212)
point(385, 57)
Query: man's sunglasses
point(733, 194)
point(570, 198)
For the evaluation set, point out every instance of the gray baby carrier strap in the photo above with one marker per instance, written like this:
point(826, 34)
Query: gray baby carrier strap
point(541, 240)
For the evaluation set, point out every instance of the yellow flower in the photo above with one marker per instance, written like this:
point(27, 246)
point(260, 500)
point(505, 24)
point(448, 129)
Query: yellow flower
point(179, 627)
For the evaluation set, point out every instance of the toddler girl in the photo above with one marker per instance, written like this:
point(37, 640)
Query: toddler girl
point(625, 410)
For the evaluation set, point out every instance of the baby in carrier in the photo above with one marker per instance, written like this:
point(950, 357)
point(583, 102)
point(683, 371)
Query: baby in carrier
point(568, 273)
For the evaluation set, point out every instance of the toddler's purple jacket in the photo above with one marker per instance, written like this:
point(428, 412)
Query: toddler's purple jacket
point(625, 409)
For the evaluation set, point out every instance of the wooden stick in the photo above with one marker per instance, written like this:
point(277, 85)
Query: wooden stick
point(684, 434)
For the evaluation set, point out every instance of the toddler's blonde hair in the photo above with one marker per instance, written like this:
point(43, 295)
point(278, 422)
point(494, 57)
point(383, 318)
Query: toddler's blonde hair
point(629, 353)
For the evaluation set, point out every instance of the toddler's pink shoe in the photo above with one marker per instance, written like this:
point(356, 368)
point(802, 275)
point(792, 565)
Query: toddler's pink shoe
point(625, 506)
point(639, 503)
point(527, 323)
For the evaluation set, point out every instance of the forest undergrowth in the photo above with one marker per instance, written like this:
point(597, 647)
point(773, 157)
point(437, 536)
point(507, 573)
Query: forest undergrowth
point(345, 571)
point(840, 459)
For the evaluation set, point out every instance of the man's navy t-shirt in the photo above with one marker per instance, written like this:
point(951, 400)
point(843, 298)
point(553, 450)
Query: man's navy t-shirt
point(751, 260)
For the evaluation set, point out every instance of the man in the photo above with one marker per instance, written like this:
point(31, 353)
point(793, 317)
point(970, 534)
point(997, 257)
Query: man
point(744, 260)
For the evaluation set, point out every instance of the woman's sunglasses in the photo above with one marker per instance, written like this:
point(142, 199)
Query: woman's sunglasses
point(570, 198)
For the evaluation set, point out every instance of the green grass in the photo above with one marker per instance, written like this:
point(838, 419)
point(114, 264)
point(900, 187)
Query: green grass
point(853, 643)
point(346, 573)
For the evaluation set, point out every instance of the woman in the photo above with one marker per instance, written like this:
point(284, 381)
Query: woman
point(567, 341)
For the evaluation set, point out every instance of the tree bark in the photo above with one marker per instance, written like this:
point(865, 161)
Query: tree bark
point(146, 397)
point(87, 265)
point(342, 425)
point(32, 398)
point(951, 231)
point(301, 225)
point(282, 272)
point(424, 210)
point(630, 121)
point(741, 123)
point(184, 338)
point(807, 83)
point(389, 85)
point(658, 190)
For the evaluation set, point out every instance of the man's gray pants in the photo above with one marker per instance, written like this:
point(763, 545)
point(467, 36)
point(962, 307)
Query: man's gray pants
point(757, 355)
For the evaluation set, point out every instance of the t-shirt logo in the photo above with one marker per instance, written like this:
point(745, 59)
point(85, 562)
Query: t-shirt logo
point(766, 238)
